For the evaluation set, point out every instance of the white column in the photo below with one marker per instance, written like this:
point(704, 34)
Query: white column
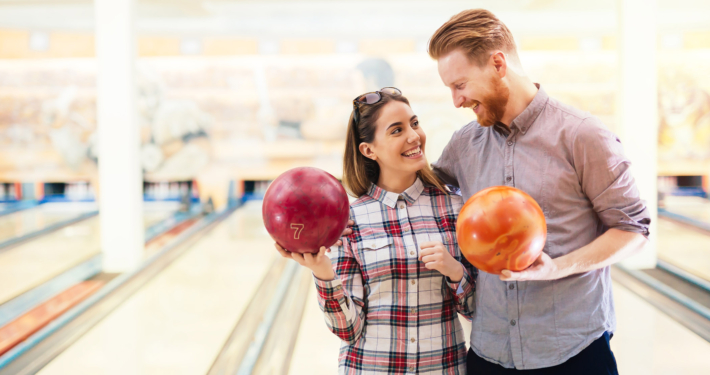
point(120, 178)
point(638, 107)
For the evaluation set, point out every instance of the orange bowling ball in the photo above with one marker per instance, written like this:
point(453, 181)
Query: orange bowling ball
point(501, 228)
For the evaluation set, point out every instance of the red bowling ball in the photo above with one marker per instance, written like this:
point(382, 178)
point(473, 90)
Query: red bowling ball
point(304, 209)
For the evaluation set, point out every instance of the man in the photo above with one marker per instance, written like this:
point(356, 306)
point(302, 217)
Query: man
point(557, 316)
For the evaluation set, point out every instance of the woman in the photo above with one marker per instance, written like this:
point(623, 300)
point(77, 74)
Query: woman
point(392, 290)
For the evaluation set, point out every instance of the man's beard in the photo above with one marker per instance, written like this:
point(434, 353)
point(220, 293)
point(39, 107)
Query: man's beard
point(494, 104)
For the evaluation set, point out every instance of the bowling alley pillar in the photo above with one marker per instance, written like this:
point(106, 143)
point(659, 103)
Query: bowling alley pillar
point(637, 107)
point(120, 178)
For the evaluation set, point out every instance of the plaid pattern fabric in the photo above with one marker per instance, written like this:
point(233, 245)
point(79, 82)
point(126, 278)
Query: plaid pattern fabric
point(394, 315)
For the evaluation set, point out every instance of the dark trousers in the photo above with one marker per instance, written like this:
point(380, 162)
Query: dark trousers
point(596, 359)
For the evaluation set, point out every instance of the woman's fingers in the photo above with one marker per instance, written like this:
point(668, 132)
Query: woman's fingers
point(299, 258)
point(431, 258)
point(282, 251)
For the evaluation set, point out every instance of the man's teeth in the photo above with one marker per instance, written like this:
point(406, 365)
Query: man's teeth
point(413, 152)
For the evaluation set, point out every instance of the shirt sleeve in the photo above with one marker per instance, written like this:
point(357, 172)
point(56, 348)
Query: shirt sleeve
point(464, 290)
point(342, 299)
point(605, 176)
point(445, 167)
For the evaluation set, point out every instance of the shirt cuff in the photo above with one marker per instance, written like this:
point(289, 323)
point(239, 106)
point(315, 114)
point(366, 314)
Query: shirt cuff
point(460, 287)
point(330, 289)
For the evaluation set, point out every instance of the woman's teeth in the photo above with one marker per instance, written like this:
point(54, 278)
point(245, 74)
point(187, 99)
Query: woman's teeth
point(413, 152)
point(475, 107)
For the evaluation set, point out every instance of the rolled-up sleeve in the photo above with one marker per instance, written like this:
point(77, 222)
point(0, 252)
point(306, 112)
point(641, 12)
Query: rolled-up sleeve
point(605, 176)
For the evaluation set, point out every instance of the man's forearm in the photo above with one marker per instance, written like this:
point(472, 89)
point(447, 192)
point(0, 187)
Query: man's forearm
point(609, 248)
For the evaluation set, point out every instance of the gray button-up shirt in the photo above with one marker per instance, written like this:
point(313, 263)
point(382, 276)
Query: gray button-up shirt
point(574, 167)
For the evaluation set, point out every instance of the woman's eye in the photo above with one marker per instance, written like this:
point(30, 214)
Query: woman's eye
point(396, 131)
point(415, 124)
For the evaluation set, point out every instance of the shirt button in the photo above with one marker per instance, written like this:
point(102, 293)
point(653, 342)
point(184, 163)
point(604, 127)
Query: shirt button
point(512, 322)
point(401, 206)
point(510, 143)
point(411, 252)
point(508, 178)
point(414, 311)
point(411, 368)
point(413, 339)
point(413, 282)
point(511, 286)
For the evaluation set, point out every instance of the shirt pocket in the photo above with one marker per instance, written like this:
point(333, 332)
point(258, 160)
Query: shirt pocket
point(375, 251)
point(376, 255)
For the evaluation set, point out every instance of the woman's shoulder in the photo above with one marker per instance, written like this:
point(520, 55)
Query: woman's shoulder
point(452, 197)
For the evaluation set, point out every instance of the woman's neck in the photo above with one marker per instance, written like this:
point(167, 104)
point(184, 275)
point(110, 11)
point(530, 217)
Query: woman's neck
point(396, 182)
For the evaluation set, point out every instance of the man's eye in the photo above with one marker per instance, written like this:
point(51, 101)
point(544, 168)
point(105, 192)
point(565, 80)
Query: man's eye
point(459, 87)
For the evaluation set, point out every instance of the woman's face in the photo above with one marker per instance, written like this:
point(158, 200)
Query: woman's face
point(399, 140)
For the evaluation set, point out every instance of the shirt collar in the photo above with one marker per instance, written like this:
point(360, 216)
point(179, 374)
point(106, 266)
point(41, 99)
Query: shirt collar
point(527, 117)
point(389, 198)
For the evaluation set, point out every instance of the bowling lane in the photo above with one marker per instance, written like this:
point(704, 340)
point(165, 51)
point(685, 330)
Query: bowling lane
point(695, 208)
point(684, 247)
point(178, 322)
point(36, 218)
point(649, 342)
point(34, 262)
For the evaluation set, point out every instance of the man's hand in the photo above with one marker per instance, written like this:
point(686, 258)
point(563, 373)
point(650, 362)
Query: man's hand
point(543, 268)
point(318, 263)
point(436, 257)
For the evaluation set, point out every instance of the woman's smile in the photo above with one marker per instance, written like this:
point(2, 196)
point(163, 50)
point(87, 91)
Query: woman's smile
point(413, 153)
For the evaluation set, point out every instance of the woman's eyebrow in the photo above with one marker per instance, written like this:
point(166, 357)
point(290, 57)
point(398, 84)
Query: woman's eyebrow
point(394, 124)
point(400, 122)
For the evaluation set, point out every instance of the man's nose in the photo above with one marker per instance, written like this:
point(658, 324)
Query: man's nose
point(458, 100)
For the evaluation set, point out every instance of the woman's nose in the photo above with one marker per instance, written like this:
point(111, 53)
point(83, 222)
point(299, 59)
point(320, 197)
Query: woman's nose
point(413, 136)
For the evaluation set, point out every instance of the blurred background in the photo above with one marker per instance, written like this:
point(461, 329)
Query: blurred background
point(203, 102)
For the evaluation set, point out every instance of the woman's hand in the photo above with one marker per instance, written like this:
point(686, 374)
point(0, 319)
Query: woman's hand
point(346, 232)
point(436, 257)
point(318, 263)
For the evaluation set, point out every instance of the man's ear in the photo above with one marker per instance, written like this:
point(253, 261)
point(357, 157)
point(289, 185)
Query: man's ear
point(500, 63)
point(366, 150)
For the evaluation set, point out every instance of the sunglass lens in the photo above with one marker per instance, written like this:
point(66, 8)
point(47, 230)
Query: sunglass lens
point(391, 91)
point(371, 98)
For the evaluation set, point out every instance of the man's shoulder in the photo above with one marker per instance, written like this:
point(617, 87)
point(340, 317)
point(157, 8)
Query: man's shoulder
point(581, 122)
point(571, 112)
point(469, 132)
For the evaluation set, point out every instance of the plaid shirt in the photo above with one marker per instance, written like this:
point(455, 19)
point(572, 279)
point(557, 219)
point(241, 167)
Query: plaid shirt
point(393, 314)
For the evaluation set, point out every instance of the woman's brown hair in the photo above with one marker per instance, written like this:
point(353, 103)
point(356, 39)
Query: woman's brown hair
point(360, 172)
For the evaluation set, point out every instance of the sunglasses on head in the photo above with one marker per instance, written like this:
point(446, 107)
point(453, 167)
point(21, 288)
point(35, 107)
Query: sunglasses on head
point(372, 98)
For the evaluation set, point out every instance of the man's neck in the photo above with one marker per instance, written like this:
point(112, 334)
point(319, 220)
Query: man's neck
point(522, 93)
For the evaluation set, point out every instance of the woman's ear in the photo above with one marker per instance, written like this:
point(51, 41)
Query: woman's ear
point(366, 150)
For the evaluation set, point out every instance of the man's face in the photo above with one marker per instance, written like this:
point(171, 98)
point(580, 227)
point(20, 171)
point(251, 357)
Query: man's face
point(480, 88)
